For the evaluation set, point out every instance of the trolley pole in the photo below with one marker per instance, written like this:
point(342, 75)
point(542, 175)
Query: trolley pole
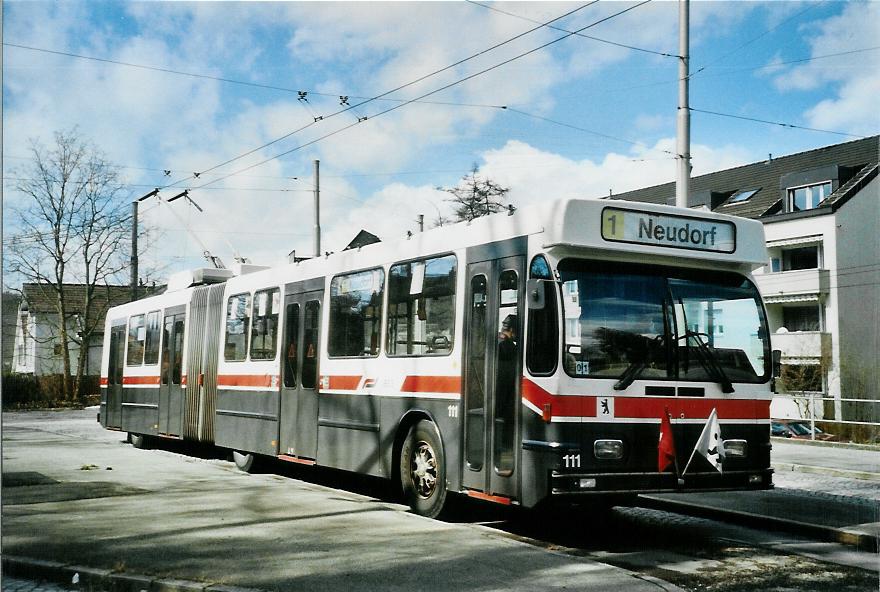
point(683, 129)
point(134, 250)
point(317, 209)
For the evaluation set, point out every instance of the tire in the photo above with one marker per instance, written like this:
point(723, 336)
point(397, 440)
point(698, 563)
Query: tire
point(140, 441)
point(245, 461)
point(423, 470)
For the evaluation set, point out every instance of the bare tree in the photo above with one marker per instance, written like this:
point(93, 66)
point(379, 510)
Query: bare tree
point(474, 196)
point(73, 224)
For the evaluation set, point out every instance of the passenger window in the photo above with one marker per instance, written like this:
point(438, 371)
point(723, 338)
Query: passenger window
point(311, 325)
point(542, 345)
point(151, 348)
point(136, 337)
point(264, 335)
point(292, 332)
point(356, 314)
point(421, 307)
point(238, 316)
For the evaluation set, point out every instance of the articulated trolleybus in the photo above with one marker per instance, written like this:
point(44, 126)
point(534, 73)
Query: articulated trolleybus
point(520, 358)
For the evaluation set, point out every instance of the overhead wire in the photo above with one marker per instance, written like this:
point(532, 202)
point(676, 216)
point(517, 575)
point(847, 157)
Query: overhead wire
point(388, 92)
point(442, 88)
point(525, 18)
point(754, 39)
point(779, 123)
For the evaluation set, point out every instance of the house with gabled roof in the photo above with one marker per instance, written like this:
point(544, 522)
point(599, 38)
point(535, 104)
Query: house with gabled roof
point(37, 348)
point(821, 284)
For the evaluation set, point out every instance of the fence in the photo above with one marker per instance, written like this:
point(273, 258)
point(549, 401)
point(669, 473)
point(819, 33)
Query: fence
point(807, 403)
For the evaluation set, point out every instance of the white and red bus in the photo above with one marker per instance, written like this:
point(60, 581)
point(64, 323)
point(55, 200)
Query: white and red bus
point(519, 358)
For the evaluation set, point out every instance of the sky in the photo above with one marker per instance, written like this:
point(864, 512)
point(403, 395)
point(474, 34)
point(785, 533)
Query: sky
point(536, 109)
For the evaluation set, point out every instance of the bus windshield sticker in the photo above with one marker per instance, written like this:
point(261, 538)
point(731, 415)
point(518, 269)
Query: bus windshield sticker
point(582, 368)
point(665, 230)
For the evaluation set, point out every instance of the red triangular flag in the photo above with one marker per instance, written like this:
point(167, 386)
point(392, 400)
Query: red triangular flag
point(666, 445)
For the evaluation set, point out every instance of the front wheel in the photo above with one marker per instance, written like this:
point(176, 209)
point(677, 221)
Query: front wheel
point(423, 469)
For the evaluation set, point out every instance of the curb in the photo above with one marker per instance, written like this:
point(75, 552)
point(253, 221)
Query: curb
point(864, 475)
point(803, 442)
point(92, 579)
point(861, 540)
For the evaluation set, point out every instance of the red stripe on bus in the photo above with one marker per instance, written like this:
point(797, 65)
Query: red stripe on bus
point(183, 380)
point(140, 380)
point(245, 380)
point(560, 406)
point(638, 407)
point(645, 407)
point(104, 381)
point(431, 384)
point(343, 383)
point(498, 499)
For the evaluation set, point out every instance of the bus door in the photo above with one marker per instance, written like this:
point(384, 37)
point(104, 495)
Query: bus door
point(299, 370)
point(171, 392)
point(492, 370)
point(114, 376)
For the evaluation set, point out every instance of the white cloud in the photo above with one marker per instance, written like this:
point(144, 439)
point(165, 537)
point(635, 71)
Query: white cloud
point(855, 77)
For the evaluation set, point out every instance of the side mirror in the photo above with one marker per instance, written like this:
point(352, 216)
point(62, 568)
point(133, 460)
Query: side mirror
point(777, 363)
point(535, 294)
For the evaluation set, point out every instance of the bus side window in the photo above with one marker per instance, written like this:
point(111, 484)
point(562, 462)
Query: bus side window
point(238, 317)
point(356, 314)
point(311, 325)
point(542, 345)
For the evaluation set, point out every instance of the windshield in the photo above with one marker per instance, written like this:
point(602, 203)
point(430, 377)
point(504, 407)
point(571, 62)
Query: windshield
point(661, 323)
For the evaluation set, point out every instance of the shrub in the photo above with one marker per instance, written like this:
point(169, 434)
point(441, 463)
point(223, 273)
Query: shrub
point(25, 391)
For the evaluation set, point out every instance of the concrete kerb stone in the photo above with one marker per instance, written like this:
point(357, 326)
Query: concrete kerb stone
point(104, 580)
point(797, 468)
point(861, 540)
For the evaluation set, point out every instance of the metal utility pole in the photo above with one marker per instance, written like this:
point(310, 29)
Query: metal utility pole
point(317, 209)
point(134, 251)
point(134, 242)
point(683, 143)
point(421, 223)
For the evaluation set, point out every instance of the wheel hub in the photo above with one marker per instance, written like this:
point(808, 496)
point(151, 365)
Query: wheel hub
point(424, 470)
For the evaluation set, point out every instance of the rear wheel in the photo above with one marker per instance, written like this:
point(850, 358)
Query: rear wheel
point(245, 461)
point(423, 469)
point(139, 441)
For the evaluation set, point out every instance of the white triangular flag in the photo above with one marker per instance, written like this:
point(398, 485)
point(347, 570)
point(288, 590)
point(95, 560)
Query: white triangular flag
point(709, 444)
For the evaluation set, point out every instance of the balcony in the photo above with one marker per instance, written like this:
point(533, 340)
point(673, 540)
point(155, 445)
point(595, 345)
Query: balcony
point(789, 286)
point(802, 347)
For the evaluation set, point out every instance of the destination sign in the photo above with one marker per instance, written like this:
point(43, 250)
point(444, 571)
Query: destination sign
point(665, 230)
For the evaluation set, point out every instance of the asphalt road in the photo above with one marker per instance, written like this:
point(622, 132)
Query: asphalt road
point(73, 493)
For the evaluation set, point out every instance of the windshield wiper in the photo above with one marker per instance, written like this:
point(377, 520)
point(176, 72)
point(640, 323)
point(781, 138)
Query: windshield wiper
point(711, 362)
point(630, 374)
point(636, 368)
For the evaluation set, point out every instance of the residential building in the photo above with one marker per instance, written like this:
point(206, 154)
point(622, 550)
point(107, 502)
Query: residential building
point(821, 284)
point(37, 348)
point(8, 317)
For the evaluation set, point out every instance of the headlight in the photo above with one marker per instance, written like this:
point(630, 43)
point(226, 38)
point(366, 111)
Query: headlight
point(608, 449)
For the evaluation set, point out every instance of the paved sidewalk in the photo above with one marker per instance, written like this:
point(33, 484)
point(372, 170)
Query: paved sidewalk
point(829, 492)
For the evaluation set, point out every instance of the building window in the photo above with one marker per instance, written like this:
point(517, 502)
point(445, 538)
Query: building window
point(741, 196)
point(356, 313)
point(57, 350)
point(238, 318)
point(801, 318)
point(800, 258)
point(808, 197)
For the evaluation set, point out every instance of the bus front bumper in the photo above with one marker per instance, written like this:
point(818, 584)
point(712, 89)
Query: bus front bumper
point(564, 484)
